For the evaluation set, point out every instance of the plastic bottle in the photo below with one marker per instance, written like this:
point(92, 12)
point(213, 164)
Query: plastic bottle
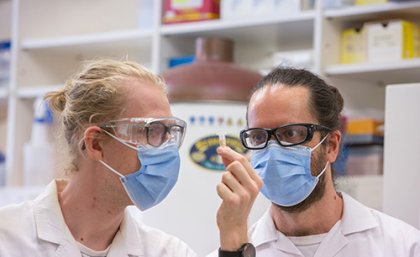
point(39, 154)
point(2, 169)
point(5, 57)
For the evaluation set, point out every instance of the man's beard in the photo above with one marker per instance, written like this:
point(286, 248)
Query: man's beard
point(317, 165)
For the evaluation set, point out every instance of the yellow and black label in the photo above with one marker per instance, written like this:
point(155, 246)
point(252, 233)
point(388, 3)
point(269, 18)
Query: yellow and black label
point(203, 151)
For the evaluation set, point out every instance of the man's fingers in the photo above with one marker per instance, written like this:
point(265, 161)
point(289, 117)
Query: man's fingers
point(243, 176)
point(229, 156)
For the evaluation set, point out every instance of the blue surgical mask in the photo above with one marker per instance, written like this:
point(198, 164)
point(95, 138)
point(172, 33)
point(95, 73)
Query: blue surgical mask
point(286, 173)
point(157, 176)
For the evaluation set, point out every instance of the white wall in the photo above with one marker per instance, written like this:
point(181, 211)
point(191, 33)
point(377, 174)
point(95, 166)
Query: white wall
point(402, 153)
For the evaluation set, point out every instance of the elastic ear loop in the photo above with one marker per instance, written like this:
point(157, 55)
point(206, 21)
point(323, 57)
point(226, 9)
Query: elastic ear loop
point(111, 169)
point(326, 165)
point(320, 142)
point(122, 142)
point(322, 172)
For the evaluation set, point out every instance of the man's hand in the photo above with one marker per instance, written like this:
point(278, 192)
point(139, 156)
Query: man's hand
point(238, 189)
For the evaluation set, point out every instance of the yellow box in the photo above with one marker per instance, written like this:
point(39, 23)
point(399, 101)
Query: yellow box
point(392, 40)
point(366, 2)
point(364, 127)
point(353, 46)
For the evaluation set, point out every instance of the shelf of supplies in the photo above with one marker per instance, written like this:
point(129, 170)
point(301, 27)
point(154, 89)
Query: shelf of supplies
point(33, 92)
point(130, 41)
point(374, 11)
point(385, 73)
point(262, 28)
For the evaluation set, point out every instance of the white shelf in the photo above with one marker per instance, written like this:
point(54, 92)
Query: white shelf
point(131, 41)
point(83, 40)
point(369, 12)
point(217, 25)
point(33, 92)
point(387, 73)
point(249, 30)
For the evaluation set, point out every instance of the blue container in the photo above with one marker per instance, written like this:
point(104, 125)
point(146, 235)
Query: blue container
point(177, 61)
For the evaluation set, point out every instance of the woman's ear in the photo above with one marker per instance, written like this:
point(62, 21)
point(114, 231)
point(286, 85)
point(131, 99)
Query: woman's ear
point(92, 143)
point(333, 147)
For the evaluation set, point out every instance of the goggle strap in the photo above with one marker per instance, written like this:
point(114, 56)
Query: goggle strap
point(121, 141)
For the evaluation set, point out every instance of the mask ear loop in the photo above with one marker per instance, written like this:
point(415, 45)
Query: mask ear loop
point(111, 169)
point(122, 142)
point(315, 147)
point(323, 171)
point(326, 165)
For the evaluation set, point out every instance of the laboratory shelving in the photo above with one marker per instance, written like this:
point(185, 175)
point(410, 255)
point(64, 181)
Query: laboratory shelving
point(382, 73)
point(335, 20)
point(52, 37)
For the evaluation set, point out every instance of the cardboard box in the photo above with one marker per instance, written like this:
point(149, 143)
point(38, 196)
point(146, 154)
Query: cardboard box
point(364, 127)
point(353, 45)
point(177, 11)
point(245, 9)
point(366, 2)
point(392, 40)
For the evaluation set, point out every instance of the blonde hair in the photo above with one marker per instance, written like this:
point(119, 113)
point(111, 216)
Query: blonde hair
point(94, 95)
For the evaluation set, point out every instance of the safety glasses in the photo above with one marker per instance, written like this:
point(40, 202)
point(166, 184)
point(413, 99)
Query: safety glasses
point(155, 132)
point(287, 135)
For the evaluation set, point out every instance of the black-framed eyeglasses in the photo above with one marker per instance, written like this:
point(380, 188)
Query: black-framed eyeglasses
point(287, 135)
point(148, 131)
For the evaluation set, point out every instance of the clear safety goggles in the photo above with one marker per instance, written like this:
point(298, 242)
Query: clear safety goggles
point(155, 132)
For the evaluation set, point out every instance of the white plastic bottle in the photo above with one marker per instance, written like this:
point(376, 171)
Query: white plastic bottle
point(5, 57)
point(39, 153)
point(2, 169)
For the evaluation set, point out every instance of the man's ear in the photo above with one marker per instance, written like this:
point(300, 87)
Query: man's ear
point(92, 143)
point(333, 147)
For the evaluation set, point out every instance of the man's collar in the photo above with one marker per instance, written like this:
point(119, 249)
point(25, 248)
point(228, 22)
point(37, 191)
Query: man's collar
point(356, 216)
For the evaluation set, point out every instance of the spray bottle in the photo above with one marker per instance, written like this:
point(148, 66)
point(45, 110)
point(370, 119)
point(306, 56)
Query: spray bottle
point(39, 154)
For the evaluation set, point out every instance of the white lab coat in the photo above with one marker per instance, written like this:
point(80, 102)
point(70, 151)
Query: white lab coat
point(363, 232)
point(37, 228)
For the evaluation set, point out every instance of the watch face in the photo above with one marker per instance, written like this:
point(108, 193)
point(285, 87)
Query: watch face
point(248, 250)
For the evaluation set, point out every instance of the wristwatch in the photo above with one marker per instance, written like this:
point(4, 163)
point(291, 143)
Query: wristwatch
point(246, 250)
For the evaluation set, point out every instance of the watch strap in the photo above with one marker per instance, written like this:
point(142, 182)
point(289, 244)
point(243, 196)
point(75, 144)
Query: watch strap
point(246, 250)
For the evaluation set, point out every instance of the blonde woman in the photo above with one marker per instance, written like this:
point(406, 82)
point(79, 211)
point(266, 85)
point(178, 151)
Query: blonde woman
point(123, 142)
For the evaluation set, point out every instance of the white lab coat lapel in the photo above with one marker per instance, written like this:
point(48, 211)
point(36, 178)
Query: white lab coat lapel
point(332, 243)
point(265, 232)
point(50, 225)
point(356, 218)
point(128, 241)
point(285, 245)
point(51, 228)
